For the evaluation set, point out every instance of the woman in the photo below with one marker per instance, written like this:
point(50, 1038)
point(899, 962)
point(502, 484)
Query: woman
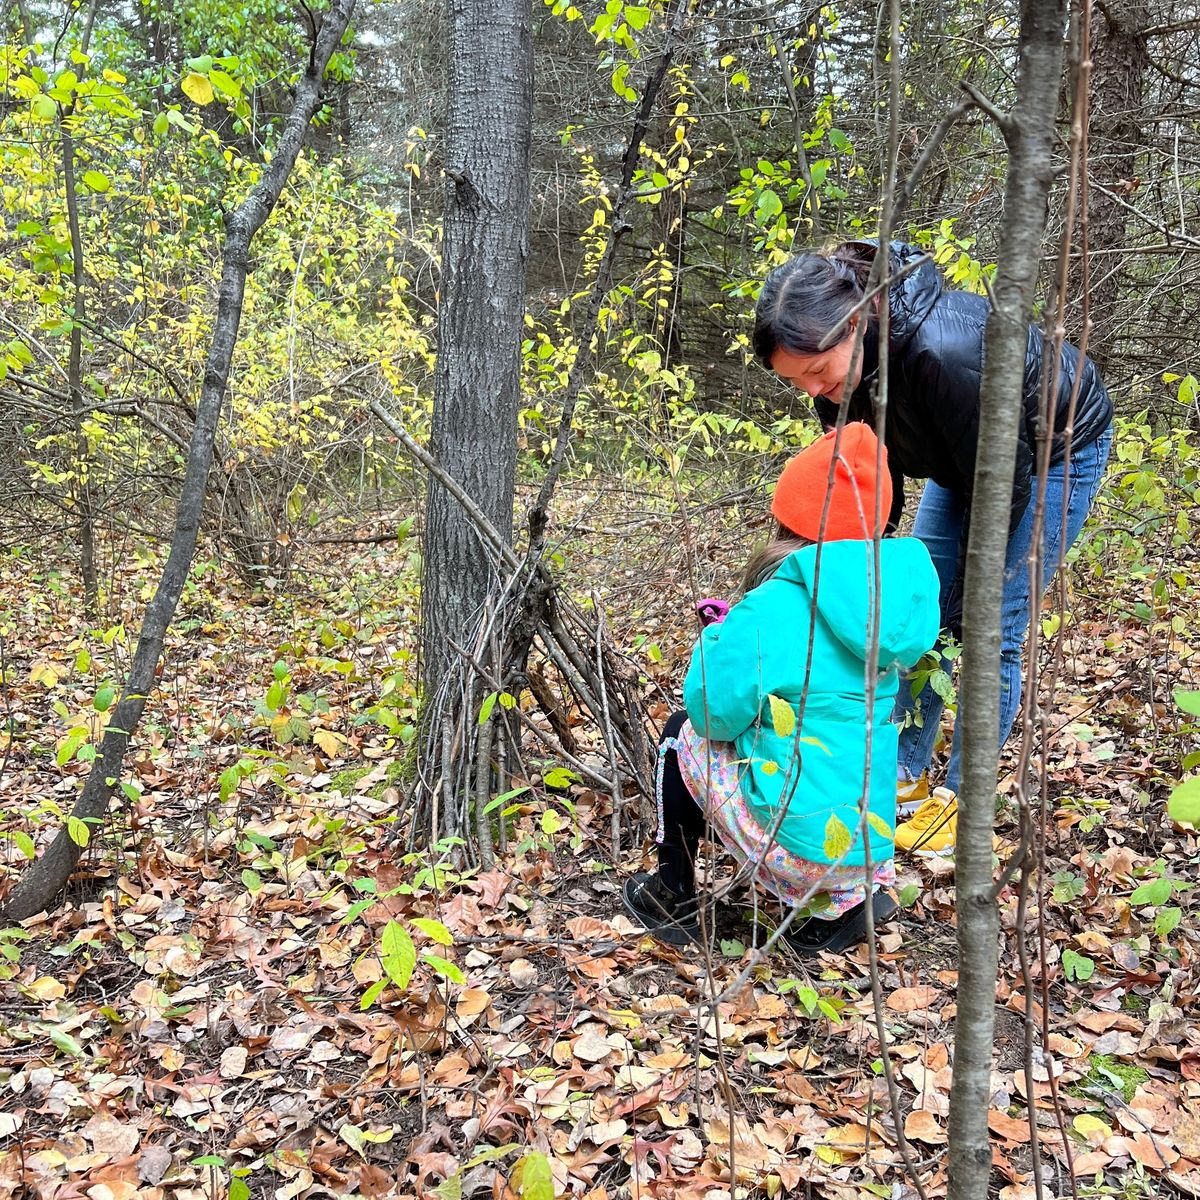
point(935, 356)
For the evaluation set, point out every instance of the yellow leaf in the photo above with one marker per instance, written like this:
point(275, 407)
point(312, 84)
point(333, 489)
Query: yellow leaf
point(328, 741)
point(47, 988)
point(880, 826)
point(837, 837)
point(44, 673)
point(197, 88)
point(783, 717)
point(1092, 1128)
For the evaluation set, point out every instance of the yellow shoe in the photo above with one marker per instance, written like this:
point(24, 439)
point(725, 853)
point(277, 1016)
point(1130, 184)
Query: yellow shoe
point(911, 794)
point(932, 828)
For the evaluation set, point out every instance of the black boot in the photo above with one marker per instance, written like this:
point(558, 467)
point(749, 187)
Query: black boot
point(666, 914)
point(815, 935)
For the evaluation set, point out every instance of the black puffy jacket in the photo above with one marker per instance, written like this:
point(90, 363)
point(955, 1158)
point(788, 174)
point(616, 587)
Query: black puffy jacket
point(935, 363)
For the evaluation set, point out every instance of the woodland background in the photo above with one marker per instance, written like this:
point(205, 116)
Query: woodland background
point(261, 979)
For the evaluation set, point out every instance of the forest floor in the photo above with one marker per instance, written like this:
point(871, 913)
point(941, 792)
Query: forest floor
point(191, 1022)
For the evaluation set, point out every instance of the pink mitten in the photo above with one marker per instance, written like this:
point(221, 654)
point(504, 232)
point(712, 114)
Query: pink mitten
point(711, 611)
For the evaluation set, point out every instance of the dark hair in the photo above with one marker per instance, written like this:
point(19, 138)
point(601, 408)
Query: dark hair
point(766, 558)
point(807, 296)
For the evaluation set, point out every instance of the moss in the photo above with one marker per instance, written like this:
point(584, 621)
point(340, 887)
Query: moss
point(393, 773)
point(1107, 1073)
point(343, 781)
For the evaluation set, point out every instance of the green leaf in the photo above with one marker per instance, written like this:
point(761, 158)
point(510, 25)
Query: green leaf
point(397, 953)
point(908, 894)
point(1188, 701)
point(161, 124)
point(445, 968)
point(505, 798)
point(225, 84)
point(239, 1189)
point(783, 717)
point(78, 831)
point(533, 1177)
point(559, 777)
point(372, 994)
point(66, 1043)
point(809, 998)
point(1167, 921)
point(620, 86)
point(208, 1160)
point(769, 206)
point(880, 826)
point(67, 750)
point(1157, 891)
point(552, 822)
point(229, 780)
point(636, 15)
point(434, 930)
point(837, 838)
point(197, 88)
point(25, 844)
point(96, 181)
point(485, 709)
point(1077, 966)
point(102, 700)
point(1184, 804)
point(276, 695)
point(44, 108)
point(252, 880)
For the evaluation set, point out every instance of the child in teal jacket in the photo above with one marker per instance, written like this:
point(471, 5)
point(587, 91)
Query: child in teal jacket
point(770, 755)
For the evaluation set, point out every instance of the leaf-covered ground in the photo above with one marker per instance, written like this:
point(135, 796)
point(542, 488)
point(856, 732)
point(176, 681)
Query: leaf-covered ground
point(191, 1022)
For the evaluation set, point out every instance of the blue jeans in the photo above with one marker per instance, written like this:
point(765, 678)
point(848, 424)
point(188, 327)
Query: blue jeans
point(938, 524)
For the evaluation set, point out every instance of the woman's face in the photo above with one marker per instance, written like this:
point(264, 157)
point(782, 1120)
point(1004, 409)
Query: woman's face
point(825, 374)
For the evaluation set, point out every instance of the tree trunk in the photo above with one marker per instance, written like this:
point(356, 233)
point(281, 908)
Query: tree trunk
point(46, 877)
point(1029, 132)
point(1120, 60)
point(485, 246)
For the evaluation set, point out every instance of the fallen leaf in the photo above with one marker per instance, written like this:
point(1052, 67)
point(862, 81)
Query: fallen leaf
point(591, 1047)
point(922, 1126)
point(111, 1137)
point(522, 972)
point(472, 1001)
point(153, 1163)
point(911, 999)
point(1012, 1129)
point(233, 1062)
point(1092, 1128)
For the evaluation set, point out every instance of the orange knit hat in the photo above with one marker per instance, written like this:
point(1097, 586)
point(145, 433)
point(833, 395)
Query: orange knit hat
point(800, 493)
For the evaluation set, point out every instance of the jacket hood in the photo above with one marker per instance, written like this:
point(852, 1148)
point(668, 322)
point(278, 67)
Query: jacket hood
point(911, 298)
point(845, 597)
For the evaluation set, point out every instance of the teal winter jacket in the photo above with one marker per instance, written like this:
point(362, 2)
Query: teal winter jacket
point(761, 650)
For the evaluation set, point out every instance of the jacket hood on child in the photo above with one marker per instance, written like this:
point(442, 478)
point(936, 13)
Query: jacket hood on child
point(846, 596)
point(761, 652)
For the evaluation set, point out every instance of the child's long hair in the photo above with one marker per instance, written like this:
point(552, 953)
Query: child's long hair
point(766, 559)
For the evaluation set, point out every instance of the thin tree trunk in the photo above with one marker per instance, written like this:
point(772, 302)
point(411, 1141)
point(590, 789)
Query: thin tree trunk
point(1029, 132)
point(46, 877)
point(485, 247)
point(81, 489)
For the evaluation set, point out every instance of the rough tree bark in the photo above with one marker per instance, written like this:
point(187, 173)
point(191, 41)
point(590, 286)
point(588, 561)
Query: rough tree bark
point(1029, 133)
point(46, 877)
point(484, 250)
point(1120, 59)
